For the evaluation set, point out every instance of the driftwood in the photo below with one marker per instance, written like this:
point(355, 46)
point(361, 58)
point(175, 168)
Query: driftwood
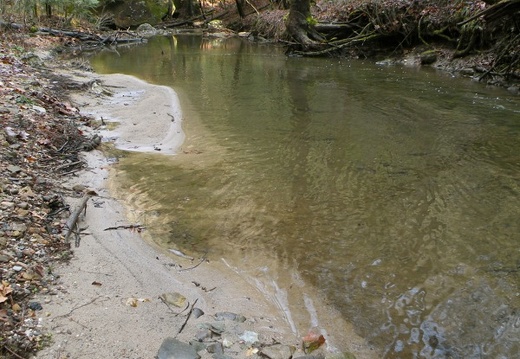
point(72, 222)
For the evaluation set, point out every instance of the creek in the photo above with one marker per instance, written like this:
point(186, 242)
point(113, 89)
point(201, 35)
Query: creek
point(392, 192)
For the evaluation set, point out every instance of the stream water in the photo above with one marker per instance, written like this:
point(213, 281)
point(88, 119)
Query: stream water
point(393, 192)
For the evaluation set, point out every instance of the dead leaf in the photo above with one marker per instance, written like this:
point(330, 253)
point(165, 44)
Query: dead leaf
point(3, 315)
point(5, 290)
point(251, 352)
point(174, 298)
point(132, 302)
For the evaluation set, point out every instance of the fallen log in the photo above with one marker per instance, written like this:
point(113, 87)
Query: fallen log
point(111, 39)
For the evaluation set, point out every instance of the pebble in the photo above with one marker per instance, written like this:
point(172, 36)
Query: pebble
point(17, 268)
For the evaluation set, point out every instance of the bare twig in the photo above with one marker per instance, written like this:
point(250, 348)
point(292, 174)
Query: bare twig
point(203, 259)
point(78, 307)
point(13, 353)
point(170, 308)
point(187, 316)
point(68, 165)
point(138, 227)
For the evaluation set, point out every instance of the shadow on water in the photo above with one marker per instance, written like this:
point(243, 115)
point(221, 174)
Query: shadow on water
point(393, 191)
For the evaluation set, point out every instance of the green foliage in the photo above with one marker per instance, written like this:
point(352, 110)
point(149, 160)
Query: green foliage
point(31, 10)
point(24, 100)
point(311, 21)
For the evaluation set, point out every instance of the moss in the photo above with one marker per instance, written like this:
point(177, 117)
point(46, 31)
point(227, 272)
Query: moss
point(158, 8)
point(311, 21)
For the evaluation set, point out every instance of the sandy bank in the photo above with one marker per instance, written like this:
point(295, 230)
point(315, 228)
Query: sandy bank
point(91, 314)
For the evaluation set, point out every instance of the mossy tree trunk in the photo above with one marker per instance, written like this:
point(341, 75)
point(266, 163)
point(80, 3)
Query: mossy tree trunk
point(187, 8)
point(300, 24)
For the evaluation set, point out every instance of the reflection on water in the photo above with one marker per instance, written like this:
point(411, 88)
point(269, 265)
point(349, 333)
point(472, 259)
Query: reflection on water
point(394, 192)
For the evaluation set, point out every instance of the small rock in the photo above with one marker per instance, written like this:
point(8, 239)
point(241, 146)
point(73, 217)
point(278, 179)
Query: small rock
point(230, 316)
point(468, 71)
point(39, 109)
point(203, 335)
point(197, 312)
point(14, 169)
point(18, 227)
point(7, 204)
point(428, 57)
point(514, 89)
point(23, 205)
point(17, 268)
point(174, 349)
point(35, 306)
point(227, 342)
point(215, 348)
point(249, 337)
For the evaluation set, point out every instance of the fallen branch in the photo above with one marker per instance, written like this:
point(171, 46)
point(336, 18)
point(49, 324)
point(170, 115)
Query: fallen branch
point(72, 222)
point(339, 45)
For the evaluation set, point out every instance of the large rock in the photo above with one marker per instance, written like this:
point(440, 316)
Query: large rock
point(132, 13)
point(174, 349)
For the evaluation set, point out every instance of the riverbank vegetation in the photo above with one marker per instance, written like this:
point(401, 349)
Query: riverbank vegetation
point(479, 38)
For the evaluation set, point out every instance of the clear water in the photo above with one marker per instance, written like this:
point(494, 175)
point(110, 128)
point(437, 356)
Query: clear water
point(394, 192)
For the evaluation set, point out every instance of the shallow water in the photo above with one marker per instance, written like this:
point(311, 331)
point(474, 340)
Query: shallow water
point(392, 191)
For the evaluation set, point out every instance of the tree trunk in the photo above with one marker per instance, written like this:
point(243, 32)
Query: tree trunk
point(186, 8)
point(299, 24)
point(240, 8)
